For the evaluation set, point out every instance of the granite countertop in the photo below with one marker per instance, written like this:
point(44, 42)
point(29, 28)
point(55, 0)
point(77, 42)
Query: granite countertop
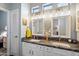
point(55, 44)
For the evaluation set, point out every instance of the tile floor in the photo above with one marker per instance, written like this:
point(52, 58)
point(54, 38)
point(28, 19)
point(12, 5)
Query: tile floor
point(3, 52)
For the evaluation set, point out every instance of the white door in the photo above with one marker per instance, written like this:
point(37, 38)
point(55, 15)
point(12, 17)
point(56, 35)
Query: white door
point(15, 32)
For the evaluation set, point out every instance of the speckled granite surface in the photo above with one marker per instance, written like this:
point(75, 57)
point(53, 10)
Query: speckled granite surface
point(56, 44)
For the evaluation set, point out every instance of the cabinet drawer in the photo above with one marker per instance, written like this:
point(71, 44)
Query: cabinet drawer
point(76, 53)
point(26, 49)
point(30, 49)
point(63, 52)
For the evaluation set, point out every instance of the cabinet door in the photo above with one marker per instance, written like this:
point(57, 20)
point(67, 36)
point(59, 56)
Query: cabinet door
point(37, 50)
point(47, 51)
point(23, 48)
point(26, 49)
point(40, 50)
point(33, 49)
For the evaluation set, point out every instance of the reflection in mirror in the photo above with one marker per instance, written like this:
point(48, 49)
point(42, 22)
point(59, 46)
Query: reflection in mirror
point(38, 26)
point(63, 25)
point(55, 26)
point(47, 26)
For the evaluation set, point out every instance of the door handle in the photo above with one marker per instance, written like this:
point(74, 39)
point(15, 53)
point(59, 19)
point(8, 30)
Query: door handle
point(15, 36)
point(32, 53)
point(29, 51)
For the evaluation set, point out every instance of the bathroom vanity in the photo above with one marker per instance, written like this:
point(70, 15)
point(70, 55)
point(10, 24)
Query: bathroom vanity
point(60, 24)
point(36, 47)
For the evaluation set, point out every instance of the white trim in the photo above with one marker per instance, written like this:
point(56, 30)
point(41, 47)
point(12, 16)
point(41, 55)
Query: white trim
point(3, 9)
point(39, 34)
point(57, 36)
point(33, 31)
point(8, 32)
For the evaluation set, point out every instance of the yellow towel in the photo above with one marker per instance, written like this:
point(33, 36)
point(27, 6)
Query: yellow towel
point(28, 33)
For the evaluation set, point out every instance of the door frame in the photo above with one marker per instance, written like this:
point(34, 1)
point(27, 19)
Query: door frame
point(20, 43)
point(8, 29)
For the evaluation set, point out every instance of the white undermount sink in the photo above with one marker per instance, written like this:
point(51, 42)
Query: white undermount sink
point(35, 40)
point(61, 44)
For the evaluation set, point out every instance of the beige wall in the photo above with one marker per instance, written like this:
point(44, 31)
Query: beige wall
point(25, 13)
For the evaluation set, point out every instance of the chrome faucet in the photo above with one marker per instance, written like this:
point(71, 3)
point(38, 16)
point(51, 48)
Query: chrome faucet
point(35, 37)
point(46, 36)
